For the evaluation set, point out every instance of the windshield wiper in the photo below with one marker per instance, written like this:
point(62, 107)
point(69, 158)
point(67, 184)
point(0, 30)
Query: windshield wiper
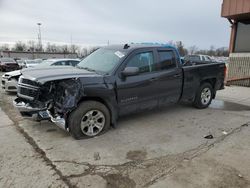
point(86, 68)
point(89, 69)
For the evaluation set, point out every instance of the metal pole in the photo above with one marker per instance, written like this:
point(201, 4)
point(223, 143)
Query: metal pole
point(39, 36)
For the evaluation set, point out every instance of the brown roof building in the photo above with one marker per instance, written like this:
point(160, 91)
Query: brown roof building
point(238, 14)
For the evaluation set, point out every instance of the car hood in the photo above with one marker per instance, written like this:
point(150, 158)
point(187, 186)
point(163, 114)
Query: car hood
point(43, 75)
point(12, 73)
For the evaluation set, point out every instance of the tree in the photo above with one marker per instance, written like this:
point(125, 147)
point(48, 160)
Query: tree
point(179, 45)
point(5, 47)
point(74, 48)
point(193, 49)
point(20, 46)
point(31, 46)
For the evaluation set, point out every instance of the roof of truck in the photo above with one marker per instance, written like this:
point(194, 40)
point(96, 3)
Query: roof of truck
point(133, 46)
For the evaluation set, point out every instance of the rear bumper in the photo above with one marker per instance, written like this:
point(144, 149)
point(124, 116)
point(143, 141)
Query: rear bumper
point(37, 114)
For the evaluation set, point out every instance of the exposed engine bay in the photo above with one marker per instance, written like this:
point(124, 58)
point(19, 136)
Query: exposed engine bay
point(52, 100)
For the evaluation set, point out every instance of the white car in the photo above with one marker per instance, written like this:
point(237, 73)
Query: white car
point(9, 81)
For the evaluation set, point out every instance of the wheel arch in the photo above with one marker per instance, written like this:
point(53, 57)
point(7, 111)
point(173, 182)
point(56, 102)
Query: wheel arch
point(112, 111)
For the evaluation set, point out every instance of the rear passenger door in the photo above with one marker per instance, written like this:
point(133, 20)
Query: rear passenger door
point(169, 83)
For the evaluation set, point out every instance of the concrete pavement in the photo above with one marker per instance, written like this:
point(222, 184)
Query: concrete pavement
point(161, 148)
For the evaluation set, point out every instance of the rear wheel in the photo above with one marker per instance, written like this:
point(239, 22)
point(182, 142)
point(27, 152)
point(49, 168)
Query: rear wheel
point(90, 119)
point(204, 96)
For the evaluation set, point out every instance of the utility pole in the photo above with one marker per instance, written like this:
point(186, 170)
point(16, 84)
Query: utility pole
point(39, 37)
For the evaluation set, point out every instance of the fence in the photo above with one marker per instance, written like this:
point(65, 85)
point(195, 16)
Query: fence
point(239, 69)
point(36, 55)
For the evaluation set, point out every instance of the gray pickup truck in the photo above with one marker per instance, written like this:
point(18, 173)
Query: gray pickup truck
point(115, 81)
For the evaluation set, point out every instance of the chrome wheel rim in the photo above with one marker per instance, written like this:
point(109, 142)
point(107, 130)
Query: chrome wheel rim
point(92, 122)
point(206, 95)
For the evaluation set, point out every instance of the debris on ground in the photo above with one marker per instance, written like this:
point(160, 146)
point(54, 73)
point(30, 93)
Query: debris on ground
point(210, 136)
point(224, 132)
point(97, 156)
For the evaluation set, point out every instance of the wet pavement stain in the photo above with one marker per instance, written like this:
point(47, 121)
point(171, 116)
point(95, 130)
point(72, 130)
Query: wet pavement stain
point(136, 155)
point(51, 130)
point(229, 106)
point(119, 181)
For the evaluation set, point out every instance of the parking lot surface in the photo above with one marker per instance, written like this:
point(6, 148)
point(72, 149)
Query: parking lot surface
point(160, 148)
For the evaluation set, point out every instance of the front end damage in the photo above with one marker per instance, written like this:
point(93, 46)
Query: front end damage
point(53, 100)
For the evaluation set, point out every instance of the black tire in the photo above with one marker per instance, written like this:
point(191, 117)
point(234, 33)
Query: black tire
point(199, 101)
point(76, 117)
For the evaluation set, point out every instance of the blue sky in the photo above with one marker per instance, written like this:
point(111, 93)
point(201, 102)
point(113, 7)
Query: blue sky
point(92, 22)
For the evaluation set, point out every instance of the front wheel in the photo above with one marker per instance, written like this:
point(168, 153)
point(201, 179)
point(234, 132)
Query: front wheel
point(204, 96)
point(90, 119)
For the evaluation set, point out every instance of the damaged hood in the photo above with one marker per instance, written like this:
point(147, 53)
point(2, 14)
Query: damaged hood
point(43, 75)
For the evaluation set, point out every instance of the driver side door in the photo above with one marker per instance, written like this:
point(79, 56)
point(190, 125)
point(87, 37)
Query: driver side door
point(138, 92)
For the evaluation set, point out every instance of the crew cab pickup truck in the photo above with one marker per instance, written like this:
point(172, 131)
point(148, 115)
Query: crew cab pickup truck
point(115, 81)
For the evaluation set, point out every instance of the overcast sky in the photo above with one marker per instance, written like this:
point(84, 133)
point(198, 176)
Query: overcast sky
point(195, 22)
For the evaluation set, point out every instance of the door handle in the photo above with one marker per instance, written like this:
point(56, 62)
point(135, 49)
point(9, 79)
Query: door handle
point(153, 79)
point(177, 75)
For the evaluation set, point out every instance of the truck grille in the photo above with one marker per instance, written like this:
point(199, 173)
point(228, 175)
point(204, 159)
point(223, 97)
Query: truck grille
point(29, 82)
point(27, 89)
point(27, 92)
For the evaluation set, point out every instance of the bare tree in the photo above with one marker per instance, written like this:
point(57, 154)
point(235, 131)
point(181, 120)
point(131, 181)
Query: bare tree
point(31, 45)
point(20, 46)
point(193, 49)
point(183, 51)
point(5, 47)
point(74, 48)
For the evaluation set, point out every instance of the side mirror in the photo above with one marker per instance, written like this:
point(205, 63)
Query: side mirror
point(130, 71)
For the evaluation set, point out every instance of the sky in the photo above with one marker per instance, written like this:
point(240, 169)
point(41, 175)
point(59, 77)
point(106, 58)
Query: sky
point(95, 22)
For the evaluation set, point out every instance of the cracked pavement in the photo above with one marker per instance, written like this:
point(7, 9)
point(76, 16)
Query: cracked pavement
point(161, 148)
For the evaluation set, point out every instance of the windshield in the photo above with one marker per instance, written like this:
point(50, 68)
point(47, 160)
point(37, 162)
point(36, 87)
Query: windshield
point(102, 60)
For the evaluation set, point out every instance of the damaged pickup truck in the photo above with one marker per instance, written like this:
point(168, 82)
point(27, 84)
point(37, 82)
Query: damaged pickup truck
point(114, 81)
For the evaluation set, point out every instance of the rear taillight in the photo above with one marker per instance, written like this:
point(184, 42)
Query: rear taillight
point(225, 73)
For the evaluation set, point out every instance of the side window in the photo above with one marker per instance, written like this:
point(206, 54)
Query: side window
point(73, 63)
point(203, 58)
point(207, 58)
point(143, 61)
point(59, 63)
point(167, 60)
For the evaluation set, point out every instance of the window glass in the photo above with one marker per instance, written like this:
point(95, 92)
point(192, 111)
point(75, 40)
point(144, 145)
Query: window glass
point(166, 61)
point(192, 58)
point(207, 58)
point(102, 60)
point(242, 43)
point(73, 63)
point(59, 63)
point(143, 61)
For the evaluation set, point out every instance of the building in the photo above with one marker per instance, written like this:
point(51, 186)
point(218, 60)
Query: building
point(238, 14)
point(36, 55)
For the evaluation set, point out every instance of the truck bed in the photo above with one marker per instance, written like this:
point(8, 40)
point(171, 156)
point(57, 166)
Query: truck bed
point(194, 75)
